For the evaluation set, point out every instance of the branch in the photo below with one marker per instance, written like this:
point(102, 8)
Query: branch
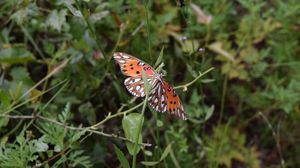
point(115, 115)
point(88, 129)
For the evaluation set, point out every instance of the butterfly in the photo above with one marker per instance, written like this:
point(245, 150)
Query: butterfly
point(162, 97)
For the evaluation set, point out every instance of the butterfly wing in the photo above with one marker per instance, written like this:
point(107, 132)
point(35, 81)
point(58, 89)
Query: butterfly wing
point(135, 86)
point(157, 99)
point(131, 66)
point(164, 98)
point(174, 105)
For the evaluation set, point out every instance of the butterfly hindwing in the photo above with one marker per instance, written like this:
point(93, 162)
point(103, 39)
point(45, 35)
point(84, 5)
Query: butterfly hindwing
point(135, 86)
point(174, 105)
point(157, 98)
point(131, 66)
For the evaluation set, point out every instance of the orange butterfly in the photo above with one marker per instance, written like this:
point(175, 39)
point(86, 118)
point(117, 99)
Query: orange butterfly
point(162, 97)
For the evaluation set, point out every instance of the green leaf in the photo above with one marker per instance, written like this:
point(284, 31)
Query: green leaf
point(57, 19)
point(166, 152)
point(15, 55)
point(149, 163)
point(163, 156)
point(66, 114)
point(159, 123)
point(40, 145)
point(148, 153)
point(57, 148)
point(124, 162)
point(4, 100)
point(73, 10)
point(209, 112)
point(20, 74)
point(130, 125)
point(160, 57)
point(207, 80)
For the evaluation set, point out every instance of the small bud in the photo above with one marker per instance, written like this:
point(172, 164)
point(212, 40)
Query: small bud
point(183, 38)
point(200, 49)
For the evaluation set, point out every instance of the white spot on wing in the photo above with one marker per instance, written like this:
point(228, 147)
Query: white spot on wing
point(121, 61)
point(137, 79)
point(137, 87)
point(117, 57)
point(125, 56)
point(126, 80)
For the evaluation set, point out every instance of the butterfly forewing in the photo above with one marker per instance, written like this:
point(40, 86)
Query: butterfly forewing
point(131, 66)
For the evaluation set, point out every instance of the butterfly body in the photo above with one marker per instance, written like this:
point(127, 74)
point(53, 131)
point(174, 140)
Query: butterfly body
point(162, 97)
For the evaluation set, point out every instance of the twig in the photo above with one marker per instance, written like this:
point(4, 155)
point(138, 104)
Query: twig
point(138, 28)
point(87, 129)
point(185, 86)
point(114, 115)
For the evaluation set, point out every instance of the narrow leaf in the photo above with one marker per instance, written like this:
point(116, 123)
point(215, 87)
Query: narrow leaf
point(163, 156)
point(166, 152)
point(207, 80)
point(124, 162)
point(160, 57)
point(149, 163)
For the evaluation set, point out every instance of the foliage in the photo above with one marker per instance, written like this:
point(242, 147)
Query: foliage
point(63, 103)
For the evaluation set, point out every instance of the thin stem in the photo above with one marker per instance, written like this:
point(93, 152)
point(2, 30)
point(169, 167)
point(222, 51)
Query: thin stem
point(138, 133)
point(148, 30)
point(275, 138)
point(114, 115)
point(141, 120)
point(185, 86)
point(223, 99)
point(87, 129)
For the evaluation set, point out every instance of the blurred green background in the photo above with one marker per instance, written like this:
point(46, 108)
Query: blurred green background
point(58, 78)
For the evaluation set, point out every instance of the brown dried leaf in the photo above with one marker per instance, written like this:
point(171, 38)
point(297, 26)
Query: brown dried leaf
point(218, 48)
point(201, 16)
